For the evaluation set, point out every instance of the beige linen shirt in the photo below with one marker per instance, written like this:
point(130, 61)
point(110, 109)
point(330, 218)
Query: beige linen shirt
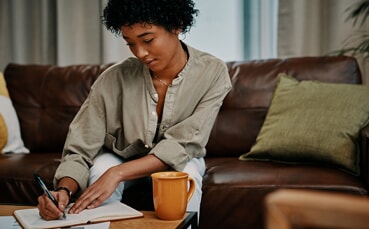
point(121, 108)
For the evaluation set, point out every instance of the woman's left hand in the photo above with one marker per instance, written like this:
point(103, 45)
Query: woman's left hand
point(98, 192)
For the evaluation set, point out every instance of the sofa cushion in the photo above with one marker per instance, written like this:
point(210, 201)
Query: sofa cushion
point(10, 136)
point(46, 98)
point(17, 183)
point(313, 122)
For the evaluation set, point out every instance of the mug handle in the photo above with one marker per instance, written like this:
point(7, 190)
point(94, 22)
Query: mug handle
point(191, 189)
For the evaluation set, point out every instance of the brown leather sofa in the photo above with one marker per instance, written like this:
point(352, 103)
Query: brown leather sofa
point(47, 97)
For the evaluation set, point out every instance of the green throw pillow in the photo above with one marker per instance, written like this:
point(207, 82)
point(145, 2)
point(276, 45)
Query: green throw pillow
point(312, 122)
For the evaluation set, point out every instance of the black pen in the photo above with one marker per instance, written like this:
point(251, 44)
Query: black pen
point(48, 193)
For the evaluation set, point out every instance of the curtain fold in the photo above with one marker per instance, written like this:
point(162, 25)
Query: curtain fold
point(27, 31)
point(312, 27)
point(78, 32)
point(315, 28)
point(60, 32)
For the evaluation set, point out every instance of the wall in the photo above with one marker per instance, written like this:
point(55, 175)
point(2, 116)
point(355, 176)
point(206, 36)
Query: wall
point(218, 29)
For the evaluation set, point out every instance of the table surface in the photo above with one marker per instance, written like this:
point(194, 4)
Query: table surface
point(148, 221)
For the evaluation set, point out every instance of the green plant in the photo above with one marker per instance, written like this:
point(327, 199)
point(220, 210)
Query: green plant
point(357, 44)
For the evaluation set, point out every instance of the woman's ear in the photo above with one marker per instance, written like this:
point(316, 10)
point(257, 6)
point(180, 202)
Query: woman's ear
point(177, 31)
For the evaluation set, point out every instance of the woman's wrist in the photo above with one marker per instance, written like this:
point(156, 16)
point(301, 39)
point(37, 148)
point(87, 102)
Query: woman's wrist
point(65, 189)
point(70, 186)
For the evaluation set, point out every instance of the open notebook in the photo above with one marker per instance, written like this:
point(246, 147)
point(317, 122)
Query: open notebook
point(30, 218)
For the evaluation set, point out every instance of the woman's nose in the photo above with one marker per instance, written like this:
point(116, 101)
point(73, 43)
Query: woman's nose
point(141, 52)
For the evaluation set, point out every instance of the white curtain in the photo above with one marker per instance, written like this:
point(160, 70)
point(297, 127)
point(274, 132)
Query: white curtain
point(315, 28)
point(58, 32)
point(312, 27)
point(26, 31)
point(82, 38)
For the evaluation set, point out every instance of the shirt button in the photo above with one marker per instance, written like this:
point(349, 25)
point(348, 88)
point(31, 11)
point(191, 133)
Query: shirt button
point(156, 96)
point(153, 113)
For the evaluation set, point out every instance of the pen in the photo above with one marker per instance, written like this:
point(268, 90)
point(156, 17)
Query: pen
point(48, 193)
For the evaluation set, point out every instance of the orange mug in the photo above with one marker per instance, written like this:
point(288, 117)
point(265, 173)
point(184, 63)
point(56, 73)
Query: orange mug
point(171, 194)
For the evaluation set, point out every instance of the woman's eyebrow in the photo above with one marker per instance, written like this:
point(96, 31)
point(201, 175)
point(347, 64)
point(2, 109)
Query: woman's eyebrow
point(140, 35)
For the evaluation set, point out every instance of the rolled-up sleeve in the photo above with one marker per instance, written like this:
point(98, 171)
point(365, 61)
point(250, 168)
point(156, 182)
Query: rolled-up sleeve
point(83, 142)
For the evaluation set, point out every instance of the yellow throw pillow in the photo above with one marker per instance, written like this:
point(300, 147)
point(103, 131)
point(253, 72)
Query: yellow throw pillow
point(9, 124)
point(3, 129)
point(311, 122)
point(3, 133)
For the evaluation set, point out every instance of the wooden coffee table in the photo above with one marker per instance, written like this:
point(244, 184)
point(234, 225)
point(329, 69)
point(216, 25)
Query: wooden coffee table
point(148, 221)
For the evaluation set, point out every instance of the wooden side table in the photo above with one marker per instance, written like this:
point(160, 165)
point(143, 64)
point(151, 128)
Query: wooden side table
point(151, 221)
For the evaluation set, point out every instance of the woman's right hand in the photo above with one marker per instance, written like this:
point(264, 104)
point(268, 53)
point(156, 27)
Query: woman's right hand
point(48, 210)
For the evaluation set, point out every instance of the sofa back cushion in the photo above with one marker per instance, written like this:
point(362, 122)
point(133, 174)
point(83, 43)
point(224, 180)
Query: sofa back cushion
point(245, 107)
point(46, 99)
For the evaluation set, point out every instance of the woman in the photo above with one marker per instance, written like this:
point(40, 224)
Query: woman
point(146, 114)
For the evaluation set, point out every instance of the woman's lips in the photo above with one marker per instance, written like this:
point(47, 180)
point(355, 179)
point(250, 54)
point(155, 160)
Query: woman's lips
point(150, 63)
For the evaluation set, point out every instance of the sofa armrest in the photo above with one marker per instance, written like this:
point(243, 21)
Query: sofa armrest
point(364, 158)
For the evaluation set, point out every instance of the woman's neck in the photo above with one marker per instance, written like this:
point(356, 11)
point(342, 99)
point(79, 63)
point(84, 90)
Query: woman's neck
point(178, 62)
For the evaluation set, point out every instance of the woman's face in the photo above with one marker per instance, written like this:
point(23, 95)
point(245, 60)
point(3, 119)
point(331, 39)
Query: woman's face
point(153, 45)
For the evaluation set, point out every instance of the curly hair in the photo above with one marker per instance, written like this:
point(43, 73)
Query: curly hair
point(170, 14)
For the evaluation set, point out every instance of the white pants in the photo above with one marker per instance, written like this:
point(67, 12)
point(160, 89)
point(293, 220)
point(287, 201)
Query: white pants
point(195, 168)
